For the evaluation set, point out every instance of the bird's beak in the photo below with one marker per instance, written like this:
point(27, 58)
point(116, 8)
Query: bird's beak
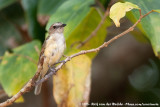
point(63, 25)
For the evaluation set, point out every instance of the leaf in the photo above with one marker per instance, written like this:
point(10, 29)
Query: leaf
point(85, 28)
point(72, 83)
point(5, 36)
point(48, 7)
point(5, 3)
point(149, 25)
point(35, 30)
point(9, 19)
point(145, 77)
point(139, 36)
point(118, 11)
point(18, 67)
point(72, 13)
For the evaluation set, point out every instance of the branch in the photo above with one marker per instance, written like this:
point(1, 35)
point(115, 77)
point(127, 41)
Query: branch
point(32, 83)
point(100, 5)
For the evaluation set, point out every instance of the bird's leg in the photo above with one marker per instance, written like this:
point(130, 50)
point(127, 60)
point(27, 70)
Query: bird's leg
point(59, 62)
point(52, 69)
point(63, 61)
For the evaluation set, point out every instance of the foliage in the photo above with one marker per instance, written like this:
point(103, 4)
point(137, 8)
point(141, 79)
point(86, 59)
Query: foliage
point(150, 24)
point(19, 67)
point(119, 10)
point(72, 83)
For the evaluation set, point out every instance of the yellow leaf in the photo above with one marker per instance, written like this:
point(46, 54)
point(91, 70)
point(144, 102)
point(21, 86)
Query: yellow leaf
point(118, 11)
point(23, 68)
point(72, 83)
point(20, 100)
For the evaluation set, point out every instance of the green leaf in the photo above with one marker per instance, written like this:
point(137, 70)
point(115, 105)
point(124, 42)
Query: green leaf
point(149, 25)
point(86, 27)
point(35, 30)
point(5, 3)
point(72, 83)
point(48, 7)
point(11, 33)
point(72, 13)
point(118, 11)
point(145, 77)
point(9, 20)
point(18, 67)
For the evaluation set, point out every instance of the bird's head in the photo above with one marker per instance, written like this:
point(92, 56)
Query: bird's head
point(57, 28)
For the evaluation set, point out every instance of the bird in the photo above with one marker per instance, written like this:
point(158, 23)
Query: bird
point(51, 52)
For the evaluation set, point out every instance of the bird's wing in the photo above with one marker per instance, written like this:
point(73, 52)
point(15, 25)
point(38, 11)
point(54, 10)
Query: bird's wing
point(41, 57)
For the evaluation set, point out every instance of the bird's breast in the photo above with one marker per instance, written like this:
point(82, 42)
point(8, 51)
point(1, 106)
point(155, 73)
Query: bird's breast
point(55, 46)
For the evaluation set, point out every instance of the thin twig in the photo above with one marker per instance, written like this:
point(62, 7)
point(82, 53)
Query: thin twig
point(99, 12)
point(97, 28)
point(100, 5)
point(140, 12)
point(32, 83)
point(76, 42)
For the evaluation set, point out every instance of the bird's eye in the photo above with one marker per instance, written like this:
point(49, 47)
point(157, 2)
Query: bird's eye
point(54, 27)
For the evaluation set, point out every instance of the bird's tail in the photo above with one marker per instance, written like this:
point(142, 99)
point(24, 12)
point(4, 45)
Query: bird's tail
point(38, 87)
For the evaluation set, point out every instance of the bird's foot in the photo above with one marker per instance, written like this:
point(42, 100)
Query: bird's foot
point(52, 69)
